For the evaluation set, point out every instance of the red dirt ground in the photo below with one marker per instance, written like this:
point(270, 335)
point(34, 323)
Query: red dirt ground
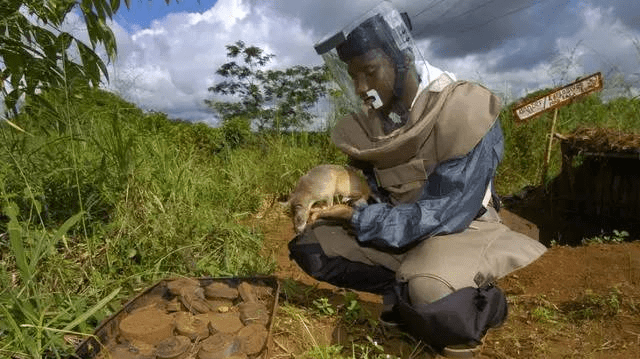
point(573, 302)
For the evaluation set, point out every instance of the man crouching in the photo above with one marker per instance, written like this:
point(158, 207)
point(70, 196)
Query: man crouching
point(429, 146)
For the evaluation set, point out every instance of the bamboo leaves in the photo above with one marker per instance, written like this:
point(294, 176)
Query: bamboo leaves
point(36, 54)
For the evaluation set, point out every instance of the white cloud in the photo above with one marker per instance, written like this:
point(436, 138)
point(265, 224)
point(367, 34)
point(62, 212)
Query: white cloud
point(603, 44)
point(235, 10)
point(169, 66)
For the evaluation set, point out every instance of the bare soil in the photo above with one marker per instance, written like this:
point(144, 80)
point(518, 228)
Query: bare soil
point(573, 302)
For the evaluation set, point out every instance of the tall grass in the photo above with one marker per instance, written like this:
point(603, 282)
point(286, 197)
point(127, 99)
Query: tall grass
point(99, 200)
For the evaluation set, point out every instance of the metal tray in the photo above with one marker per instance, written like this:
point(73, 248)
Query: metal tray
point(109, 330)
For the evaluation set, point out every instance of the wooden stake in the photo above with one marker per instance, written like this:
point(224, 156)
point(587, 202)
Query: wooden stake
point(547, 152)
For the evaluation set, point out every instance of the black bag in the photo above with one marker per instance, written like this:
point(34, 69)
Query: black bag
point(460, 318)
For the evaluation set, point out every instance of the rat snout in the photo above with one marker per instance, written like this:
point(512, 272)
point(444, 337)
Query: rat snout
point(300, 220)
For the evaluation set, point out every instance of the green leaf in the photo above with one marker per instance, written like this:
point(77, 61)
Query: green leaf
point(66, 226)
point(64, 41)
point(31, 52)
point(26, 340)
point(15, 239)
point(46, 105)
point(14, 62)
point(90, 63)
point(93, 310)
point(11, 99)
point(115, 5)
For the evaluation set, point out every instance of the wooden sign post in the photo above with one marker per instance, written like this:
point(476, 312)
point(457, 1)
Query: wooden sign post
point(555, 99)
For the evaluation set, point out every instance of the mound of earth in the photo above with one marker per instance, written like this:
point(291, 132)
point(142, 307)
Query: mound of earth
point(602, 140)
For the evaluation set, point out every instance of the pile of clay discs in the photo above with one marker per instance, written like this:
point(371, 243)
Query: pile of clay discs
point(192, 321)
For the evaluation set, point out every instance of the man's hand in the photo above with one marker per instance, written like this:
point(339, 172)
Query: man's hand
point(339, 211)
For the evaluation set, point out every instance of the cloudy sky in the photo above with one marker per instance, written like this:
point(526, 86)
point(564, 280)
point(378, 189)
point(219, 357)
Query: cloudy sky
point(168, 55)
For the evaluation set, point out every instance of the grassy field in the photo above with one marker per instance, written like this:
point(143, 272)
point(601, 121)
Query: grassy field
point(100, 200)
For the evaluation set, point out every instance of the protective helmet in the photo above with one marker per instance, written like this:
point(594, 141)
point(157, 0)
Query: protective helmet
point(384, 28)
point(374, 33)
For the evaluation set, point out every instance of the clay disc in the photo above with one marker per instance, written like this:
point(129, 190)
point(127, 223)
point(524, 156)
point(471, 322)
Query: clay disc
point(253, 312)
point(220, 290)
point(225, 323)
point(193, 299)
point(192, 326)
point(246, 292)
point(144, 350)
point(123, 352)
point(219, 305)
point(252, 338)
point(176, 285)
point(148, 326)
point(174, 306)
point(173, 347)
point(218, 346)
point(126, 351)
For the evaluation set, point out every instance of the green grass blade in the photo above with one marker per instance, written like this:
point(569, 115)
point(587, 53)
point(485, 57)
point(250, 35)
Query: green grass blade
point(15, 240)
point(92, 311)
point(66, 226)
point(23, 341)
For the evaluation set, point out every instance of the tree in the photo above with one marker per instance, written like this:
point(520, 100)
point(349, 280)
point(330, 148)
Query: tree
point(277, 99)
point(243, 82)
point(35, 52)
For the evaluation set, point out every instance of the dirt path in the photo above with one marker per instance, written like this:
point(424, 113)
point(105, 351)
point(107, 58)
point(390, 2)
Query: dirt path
point(574, 302)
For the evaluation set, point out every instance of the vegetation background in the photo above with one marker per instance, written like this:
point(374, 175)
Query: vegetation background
point(100, 199)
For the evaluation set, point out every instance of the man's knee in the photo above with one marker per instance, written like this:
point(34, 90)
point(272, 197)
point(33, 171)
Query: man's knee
point(427, 289)
point(307, 252)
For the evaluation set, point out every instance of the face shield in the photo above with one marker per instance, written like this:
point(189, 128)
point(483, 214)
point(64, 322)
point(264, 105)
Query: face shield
point(385, 32)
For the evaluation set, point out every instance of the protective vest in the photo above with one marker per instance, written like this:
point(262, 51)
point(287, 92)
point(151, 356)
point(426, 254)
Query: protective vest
point(441, 126)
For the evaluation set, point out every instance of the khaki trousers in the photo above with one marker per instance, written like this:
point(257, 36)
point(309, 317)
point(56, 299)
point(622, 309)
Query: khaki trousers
point(487, 250)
